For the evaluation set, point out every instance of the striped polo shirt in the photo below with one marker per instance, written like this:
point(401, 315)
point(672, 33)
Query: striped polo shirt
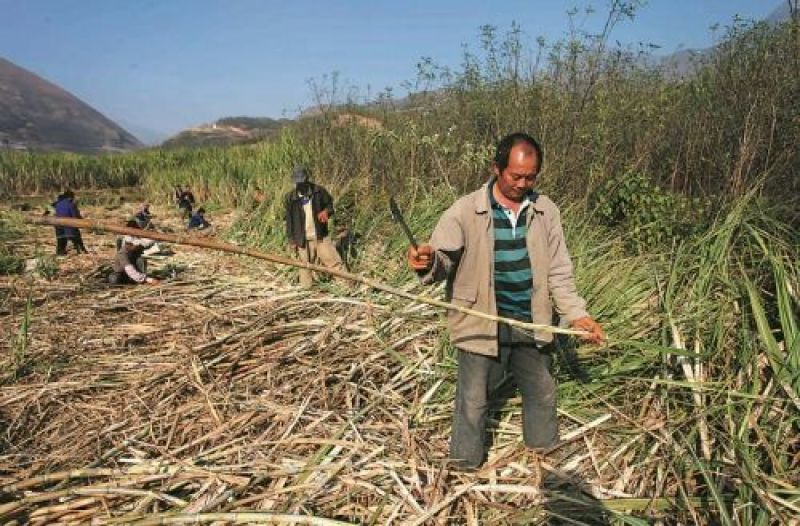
point(513, 276)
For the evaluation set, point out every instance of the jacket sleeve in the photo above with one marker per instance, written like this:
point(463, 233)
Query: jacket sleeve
point(133, 273)
point(447, 241)
point(122, 262)
point(561, 279)
point(287, 201)
point(325, 201)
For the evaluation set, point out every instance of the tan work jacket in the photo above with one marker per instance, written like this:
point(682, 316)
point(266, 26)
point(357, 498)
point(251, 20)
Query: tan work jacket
point(463, 243)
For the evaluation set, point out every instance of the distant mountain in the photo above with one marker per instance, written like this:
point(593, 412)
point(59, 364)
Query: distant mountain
point(227, 131)
point(779, 15)
point(685, 61)
point(147, 136)
point(38, 115)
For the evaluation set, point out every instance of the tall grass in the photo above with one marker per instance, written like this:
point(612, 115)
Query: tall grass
point(701, 375)
point(601, 112)
point(712, 371)
point(11, 230)
point(26, 172)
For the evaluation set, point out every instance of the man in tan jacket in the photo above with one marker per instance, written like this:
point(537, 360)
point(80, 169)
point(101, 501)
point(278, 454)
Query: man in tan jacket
point(501, 250)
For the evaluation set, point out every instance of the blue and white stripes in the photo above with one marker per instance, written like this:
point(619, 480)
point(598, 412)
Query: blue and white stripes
point(513, 275)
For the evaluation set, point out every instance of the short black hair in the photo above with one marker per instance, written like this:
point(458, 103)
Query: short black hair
point(201, 210)
point(508, 142)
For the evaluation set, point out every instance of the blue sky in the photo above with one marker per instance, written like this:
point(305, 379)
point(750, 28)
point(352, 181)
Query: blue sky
point(164, 65)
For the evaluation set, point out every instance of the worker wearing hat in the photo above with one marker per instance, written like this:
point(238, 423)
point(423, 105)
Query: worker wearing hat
point(129, 266)
point(309, 208)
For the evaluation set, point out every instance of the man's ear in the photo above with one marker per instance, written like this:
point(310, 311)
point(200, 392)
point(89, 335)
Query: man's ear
point(495, 170)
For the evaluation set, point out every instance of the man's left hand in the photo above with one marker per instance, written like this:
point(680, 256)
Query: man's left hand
point(596, 334)
point(323, 216)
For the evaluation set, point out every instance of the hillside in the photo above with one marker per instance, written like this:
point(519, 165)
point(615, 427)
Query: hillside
point(38, 115)
point(686, 61)
point(227, 132)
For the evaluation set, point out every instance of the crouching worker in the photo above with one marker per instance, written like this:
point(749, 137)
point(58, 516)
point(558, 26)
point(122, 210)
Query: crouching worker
point(151, 247)
point(198, 220)
point(129, 265)
point(143, 217)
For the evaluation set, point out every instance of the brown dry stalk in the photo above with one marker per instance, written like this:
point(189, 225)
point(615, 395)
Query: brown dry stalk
point(213, 244)
point(233, 518)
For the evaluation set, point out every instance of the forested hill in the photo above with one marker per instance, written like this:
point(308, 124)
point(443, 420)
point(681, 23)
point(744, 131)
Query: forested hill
point(36, 114)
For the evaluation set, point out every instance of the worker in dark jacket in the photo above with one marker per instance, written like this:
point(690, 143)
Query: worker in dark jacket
point(143, 217)
point(198, 220)
point(185, 201)
point(309, 208)
point(65, 206)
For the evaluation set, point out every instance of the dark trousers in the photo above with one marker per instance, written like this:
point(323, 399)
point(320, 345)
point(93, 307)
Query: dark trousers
point(77, 242)
point(479, 376)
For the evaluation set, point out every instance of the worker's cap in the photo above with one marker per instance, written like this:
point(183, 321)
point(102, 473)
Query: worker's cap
point(132, 240)
point(299, 174)
point(138, 241)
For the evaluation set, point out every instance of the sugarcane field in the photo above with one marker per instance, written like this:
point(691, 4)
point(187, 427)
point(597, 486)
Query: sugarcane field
point(227, 394)
point(553, 281)
point(228, 388)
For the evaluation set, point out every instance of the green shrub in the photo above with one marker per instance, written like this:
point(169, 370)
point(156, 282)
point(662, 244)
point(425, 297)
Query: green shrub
point(650, 215)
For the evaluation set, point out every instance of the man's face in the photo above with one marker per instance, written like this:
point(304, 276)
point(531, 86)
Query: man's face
point(519, 176)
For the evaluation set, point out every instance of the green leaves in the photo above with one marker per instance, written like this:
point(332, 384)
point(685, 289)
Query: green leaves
point(652, 216)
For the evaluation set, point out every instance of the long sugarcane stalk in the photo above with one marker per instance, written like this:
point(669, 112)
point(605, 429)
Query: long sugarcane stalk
point(241, 517)
point(205, 242)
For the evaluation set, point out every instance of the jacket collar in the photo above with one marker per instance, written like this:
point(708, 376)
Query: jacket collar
point(314, 190)
point(483, 204)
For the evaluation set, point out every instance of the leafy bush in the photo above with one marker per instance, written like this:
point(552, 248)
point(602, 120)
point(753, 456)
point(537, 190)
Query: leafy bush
point(652, 216)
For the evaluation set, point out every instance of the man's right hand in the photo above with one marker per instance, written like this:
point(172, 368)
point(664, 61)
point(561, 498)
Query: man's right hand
point(420, 258)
